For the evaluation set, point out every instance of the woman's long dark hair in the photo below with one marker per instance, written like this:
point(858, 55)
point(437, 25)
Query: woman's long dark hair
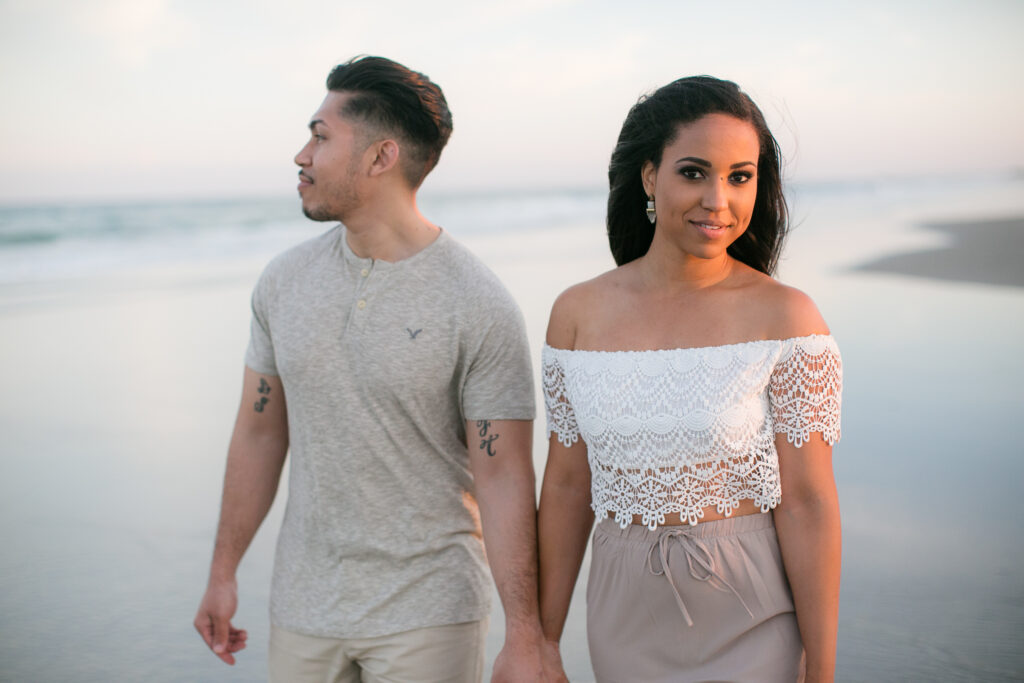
point(650, 126)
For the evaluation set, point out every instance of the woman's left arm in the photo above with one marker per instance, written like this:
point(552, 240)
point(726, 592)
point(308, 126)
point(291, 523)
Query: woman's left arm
point(807, 522)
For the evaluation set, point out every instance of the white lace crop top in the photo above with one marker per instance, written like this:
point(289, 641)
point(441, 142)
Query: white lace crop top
point(682, 429)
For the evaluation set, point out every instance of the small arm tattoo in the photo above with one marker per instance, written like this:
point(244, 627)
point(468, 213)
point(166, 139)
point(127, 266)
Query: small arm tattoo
point(487, 440)
point(264, 389)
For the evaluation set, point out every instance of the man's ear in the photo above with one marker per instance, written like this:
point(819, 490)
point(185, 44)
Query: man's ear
point(385, 156)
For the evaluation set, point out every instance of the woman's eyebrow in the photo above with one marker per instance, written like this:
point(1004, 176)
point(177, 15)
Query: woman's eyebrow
point(707, 164)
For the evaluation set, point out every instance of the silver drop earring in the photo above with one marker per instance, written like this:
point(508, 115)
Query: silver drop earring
point(651, 214)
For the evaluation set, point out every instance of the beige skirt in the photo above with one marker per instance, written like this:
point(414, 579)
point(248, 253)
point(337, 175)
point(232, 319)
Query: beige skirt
point(691, 603)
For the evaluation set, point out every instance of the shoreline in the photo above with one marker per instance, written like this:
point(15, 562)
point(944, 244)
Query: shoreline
point(982, 252)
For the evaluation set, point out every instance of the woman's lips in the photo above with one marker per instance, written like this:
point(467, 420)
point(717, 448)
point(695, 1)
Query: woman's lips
point(710, 229)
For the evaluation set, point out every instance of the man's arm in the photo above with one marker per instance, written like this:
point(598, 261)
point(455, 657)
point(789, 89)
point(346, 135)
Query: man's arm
point(256, 455)
point(500, 457)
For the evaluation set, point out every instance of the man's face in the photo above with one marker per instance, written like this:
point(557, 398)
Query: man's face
point(329, 175)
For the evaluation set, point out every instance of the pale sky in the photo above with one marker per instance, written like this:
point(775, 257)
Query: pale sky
point(108, 99)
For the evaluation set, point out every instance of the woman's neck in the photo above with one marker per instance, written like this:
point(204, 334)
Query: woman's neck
point(683, 272)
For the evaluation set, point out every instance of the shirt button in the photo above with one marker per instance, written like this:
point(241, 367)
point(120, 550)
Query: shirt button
point(364, 272)
point(361, 304)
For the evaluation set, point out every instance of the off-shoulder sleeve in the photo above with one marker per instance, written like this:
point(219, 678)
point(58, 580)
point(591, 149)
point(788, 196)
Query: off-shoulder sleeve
point(806, 389)
point(561, 418)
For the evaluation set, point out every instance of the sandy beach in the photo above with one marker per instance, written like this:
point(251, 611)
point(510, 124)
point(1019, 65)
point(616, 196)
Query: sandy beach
point(120, 391)
point(990, 252)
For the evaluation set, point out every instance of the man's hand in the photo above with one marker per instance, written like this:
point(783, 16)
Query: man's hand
point(213, 620)
point(528, 658)
point(552, 662)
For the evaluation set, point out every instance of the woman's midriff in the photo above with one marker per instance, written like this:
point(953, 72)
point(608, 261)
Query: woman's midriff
point(711, 514)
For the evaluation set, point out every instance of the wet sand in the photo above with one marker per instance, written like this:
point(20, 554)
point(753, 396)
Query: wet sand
point(990, 252)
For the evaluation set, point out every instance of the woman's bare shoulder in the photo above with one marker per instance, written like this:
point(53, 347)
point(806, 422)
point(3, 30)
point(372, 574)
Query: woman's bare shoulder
point(577, 303)
point(790, 312)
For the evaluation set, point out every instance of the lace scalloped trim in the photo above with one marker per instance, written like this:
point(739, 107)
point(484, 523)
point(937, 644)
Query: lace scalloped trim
point(653, 494)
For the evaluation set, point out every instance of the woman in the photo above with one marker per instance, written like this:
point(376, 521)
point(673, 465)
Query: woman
point(692, 403)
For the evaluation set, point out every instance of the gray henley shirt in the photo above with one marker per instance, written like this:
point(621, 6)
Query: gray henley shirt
point(382, 363)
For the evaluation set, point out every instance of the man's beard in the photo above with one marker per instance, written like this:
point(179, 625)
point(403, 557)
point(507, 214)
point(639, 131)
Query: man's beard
point(343, 202)
point(319, 214)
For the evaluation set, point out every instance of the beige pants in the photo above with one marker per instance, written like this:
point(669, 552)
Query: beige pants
point(453, 653)
point(703, 603)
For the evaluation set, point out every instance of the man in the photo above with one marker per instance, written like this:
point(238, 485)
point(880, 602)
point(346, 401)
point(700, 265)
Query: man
point(395, 368)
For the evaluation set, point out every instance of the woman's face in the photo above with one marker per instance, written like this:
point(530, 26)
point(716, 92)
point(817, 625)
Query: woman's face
point(705, 187)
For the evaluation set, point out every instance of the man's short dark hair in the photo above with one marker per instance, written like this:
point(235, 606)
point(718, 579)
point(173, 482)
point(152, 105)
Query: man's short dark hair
point(399, 102)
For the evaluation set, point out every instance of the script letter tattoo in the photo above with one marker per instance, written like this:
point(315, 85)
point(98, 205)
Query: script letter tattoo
point(264, 388)
point(486, 441)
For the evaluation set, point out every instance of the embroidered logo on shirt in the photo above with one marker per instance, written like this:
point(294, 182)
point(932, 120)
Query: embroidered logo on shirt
point(412, 335)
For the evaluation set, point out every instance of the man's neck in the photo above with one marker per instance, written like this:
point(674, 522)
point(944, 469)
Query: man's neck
point(389, 231)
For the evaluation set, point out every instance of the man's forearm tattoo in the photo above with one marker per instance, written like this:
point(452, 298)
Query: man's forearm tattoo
point(487, 440)
point(264, 388)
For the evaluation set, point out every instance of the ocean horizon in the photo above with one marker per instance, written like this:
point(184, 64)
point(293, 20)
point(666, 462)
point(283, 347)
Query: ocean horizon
point(49, 241)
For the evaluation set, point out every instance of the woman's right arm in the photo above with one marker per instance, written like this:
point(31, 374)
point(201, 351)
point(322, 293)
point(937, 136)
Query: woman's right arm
point(564, 518)
point(564, 521)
